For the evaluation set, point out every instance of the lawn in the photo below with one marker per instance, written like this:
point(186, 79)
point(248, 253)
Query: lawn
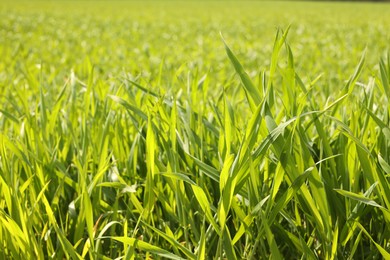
point(194, 130)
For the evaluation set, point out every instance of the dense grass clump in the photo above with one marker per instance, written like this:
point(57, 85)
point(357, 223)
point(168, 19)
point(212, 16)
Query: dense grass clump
point(135, 130)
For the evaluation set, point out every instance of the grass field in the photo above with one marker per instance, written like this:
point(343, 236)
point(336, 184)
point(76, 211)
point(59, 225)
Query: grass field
point(194, 130)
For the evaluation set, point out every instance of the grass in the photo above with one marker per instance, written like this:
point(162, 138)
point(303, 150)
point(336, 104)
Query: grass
point(134, 130)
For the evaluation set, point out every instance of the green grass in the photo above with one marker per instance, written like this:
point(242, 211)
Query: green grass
point(223, 130)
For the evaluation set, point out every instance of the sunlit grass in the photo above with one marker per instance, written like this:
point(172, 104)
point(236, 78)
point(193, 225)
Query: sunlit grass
point(135, 134)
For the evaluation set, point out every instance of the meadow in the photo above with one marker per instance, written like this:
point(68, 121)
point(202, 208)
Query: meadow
point(194, 130)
